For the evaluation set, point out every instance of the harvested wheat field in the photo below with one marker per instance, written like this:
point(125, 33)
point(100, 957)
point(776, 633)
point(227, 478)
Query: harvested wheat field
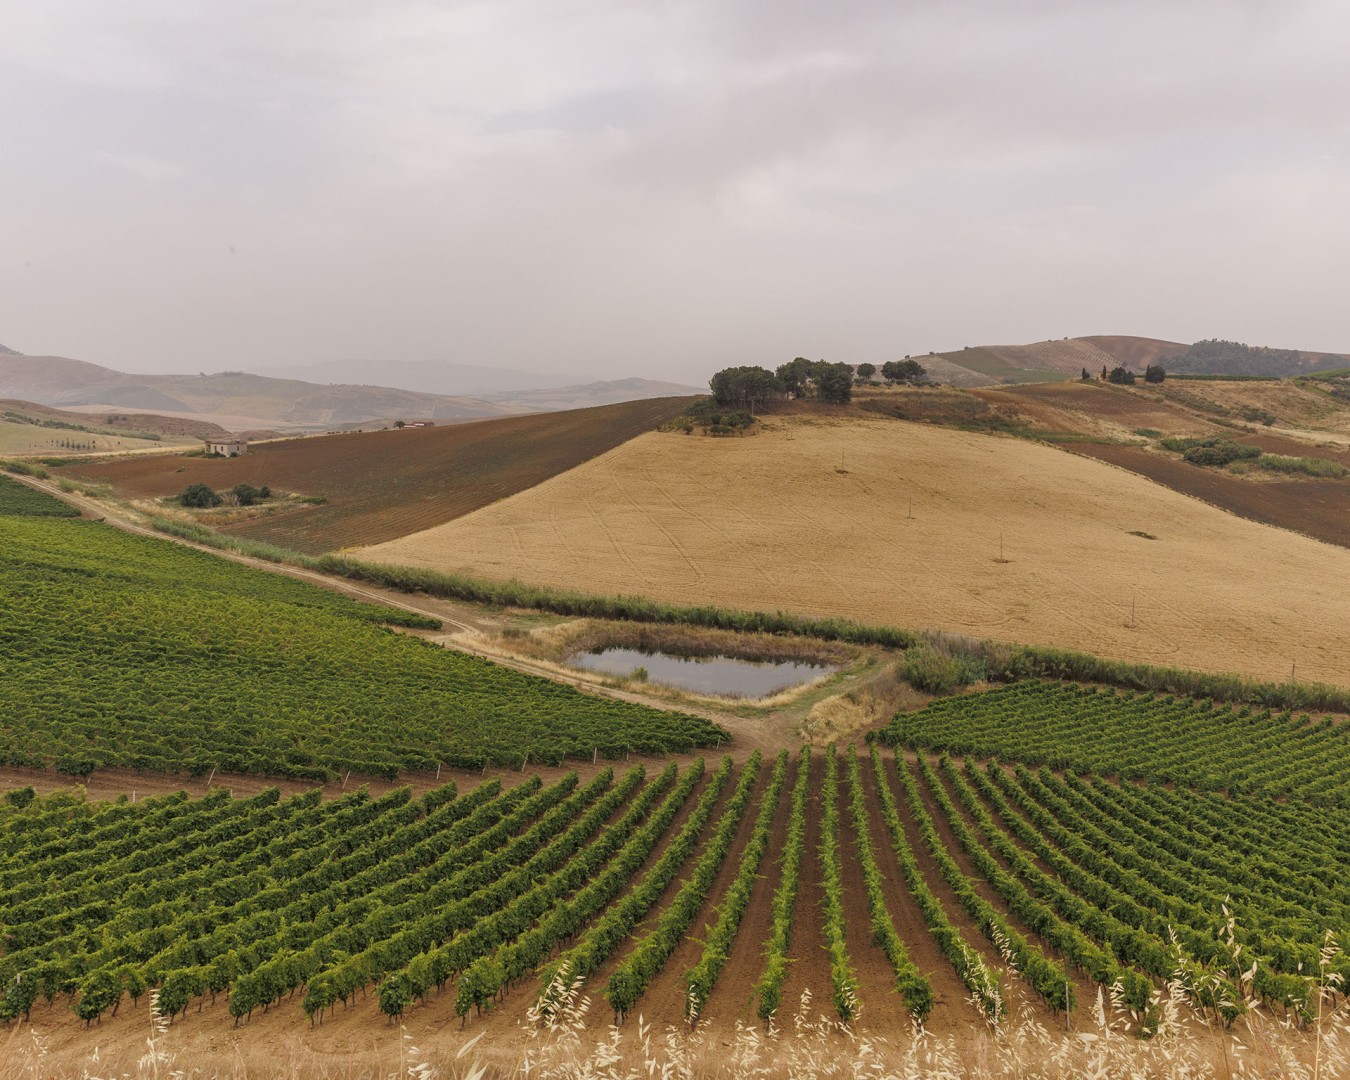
point(910, 525)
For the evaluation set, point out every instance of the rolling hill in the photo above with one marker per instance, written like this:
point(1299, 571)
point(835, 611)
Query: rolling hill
point(424, 376)
point(1049, 361)
point(257, 399)
point(377, 485)
point(588, 395)
point(911, 525)
point(111, 422)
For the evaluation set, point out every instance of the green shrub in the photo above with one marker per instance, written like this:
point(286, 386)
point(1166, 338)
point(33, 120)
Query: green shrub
point(1214, 450)
point(938, 671)
point(199, 497)
point(1309, 466)
point(25, 469)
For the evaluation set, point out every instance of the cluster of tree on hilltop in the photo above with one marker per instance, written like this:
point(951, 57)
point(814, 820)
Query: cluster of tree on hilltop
point(1214, 356)
point(751, 387)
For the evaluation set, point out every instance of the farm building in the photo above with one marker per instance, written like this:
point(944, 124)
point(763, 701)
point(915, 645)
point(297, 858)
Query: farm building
point(227, 447)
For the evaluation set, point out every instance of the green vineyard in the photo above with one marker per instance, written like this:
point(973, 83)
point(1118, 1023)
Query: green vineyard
point(19, 500)
point(132, 652)
point(468, 900)
point(1040, 847)
point(1202, 745)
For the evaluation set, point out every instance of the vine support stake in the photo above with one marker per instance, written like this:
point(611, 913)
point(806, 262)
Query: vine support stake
point(211, 777)
point(438, 772)
point(595, 755)
point(345, 779)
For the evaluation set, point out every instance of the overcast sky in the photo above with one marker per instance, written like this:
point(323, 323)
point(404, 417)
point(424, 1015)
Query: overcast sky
point(662, 188)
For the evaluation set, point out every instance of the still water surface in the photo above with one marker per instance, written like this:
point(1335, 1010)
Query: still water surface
point(725, 675)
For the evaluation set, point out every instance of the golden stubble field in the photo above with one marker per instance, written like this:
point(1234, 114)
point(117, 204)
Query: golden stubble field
point(922, 527)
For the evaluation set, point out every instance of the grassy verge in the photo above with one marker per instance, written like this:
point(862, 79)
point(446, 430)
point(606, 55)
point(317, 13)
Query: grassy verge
point(23, 468)
point(1308, 466)
point(942, 662)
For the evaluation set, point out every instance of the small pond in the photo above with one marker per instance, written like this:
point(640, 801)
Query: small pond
point(724, 675)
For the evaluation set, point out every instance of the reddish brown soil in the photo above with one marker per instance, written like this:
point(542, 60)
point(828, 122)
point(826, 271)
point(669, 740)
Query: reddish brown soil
point(1082, 987)
point(601, 1015)
point(384, 484)
point(881, 1003)
point(358, 1041)
point(118, 421)
point(956, 914)
point(1136, 352)
point(810, 968)
point(950, 1007)
point(663, 1003)
point(733, 998)
point(1054, 404)
point(1316, 508)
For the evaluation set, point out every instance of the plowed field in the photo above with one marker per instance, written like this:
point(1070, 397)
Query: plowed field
point(383, 484)
point(905, 524)
point(1314, 507)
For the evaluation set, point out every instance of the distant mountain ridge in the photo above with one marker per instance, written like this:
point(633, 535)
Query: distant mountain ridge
point(424, 376)
point(596, 393)
point(239, 400)
point(263, 401)
point(5, 350)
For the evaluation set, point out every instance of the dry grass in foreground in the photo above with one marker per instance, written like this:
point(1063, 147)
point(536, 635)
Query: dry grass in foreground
point(560, 1045)
point(909, 525)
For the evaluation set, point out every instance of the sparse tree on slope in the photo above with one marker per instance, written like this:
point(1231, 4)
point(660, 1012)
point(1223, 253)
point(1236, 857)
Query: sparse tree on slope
point(903, 371)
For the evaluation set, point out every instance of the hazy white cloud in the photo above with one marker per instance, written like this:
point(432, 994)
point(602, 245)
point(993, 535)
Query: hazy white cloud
point(664, 187)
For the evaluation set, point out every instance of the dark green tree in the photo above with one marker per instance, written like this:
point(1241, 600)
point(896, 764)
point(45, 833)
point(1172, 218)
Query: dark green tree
point(795, 377)
point(1154, 373)
point(866, 371)
point(1121, 376)
point(903, 371)
point(834, 383)
point(744, 387)
point(199, 496)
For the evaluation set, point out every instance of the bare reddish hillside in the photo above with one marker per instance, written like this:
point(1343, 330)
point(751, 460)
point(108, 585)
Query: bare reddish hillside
point(384, 484)
point(1136, 352)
